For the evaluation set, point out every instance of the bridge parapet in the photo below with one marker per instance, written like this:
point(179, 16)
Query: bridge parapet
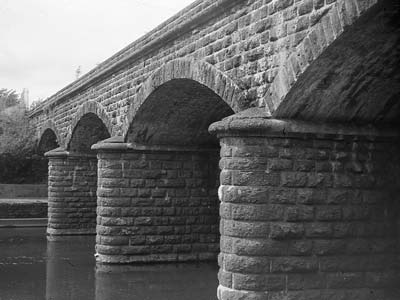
point(250, 42)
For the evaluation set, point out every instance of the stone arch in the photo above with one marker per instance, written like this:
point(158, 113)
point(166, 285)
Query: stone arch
point(48, 141)
point(178, 113)
point(93, 109)
point(169, 152)
point(49, 125)
point(333, 21)
point(356, 79)
point(198, 71)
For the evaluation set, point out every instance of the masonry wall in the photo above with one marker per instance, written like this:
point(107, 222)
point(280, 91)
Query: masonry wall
point(309, 218)
point(18, 208)
point(72, 195)
point(157, 206)
point(249, 41)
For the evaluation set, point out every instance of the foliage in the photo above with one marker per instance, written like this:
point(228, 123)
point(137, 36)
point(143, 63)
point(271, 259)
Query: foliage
point(17, 135)
point(35, 103)
point(18, 162)
point(8, 98)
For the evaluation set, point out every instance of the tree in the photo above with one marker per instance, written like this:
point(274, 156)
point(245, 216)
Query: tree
point(8, 98)
point(17, 144)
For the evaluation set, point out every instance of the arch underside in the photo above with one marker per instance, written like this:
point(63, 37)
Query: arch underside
point(178, 113)
point(356, 79)
point(89, 130)
point(176, 74)
point(48, 141)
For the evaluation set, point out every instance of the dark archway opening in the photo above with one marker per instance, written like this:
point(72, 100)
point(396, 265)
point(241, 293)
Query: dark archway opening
point(179, 162)
point(178, 113)
point(48, 141)
point(88, 131)
point(357, 78)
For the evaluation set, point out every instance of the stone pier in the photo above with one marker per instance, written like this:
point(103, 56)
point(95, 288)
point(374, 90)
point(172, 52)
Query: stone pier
point(308, 211)
point(72, 193)
point(156, 203)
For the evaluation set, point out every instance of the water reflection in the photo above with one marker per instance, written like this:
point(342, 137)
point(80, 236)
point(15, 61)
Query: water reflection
point(32, 268)
point(69, 269)
point(155, 282)
point(22, 271)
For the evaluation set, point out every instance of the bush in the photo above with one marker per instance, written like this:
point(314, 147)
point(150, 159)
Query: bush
point(18, 162)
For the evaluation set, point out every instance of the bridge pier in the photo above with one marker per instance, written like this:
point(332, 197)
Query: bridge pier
point(156, 203)
point(307, 211)
point(72, 188)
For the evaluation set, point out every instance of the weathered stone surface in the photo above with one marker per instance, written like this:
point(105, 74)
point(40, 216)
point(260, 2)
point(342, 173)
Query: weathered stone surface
point(71, 194)
point(308, 211)
point(247, 54)
point(358, 67)
point(162, 207)
point(324, 237)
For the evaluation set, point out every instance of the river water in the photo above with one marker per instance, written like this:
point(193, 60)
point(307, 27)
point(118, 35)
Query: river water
point(32, 268)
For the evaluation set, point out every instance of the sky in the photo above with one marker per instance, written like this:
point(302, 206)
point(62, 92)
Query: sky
point(43, 42)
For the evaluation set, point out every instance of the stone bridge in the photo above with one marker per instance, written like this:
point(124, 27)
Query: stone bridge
point(298, 100)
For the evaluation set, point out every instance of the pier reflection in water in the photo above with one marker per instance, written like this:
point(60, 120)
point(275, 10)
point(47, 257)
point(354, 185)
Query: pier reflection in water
point(32, 268)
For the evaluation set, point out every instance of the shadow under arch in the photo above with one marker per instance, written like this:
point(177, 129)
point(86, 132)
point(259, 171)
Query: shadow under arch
point(90, 125)
point(356, 78)
point(178, 113)
point(180, 74)
point(48, 136)
point(48, 141)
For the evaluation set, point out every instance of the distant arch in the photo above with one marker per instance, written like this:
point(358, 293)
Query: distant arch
point(89, 109)
point(199, 71)
point(49, 125)
point(48, 141)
